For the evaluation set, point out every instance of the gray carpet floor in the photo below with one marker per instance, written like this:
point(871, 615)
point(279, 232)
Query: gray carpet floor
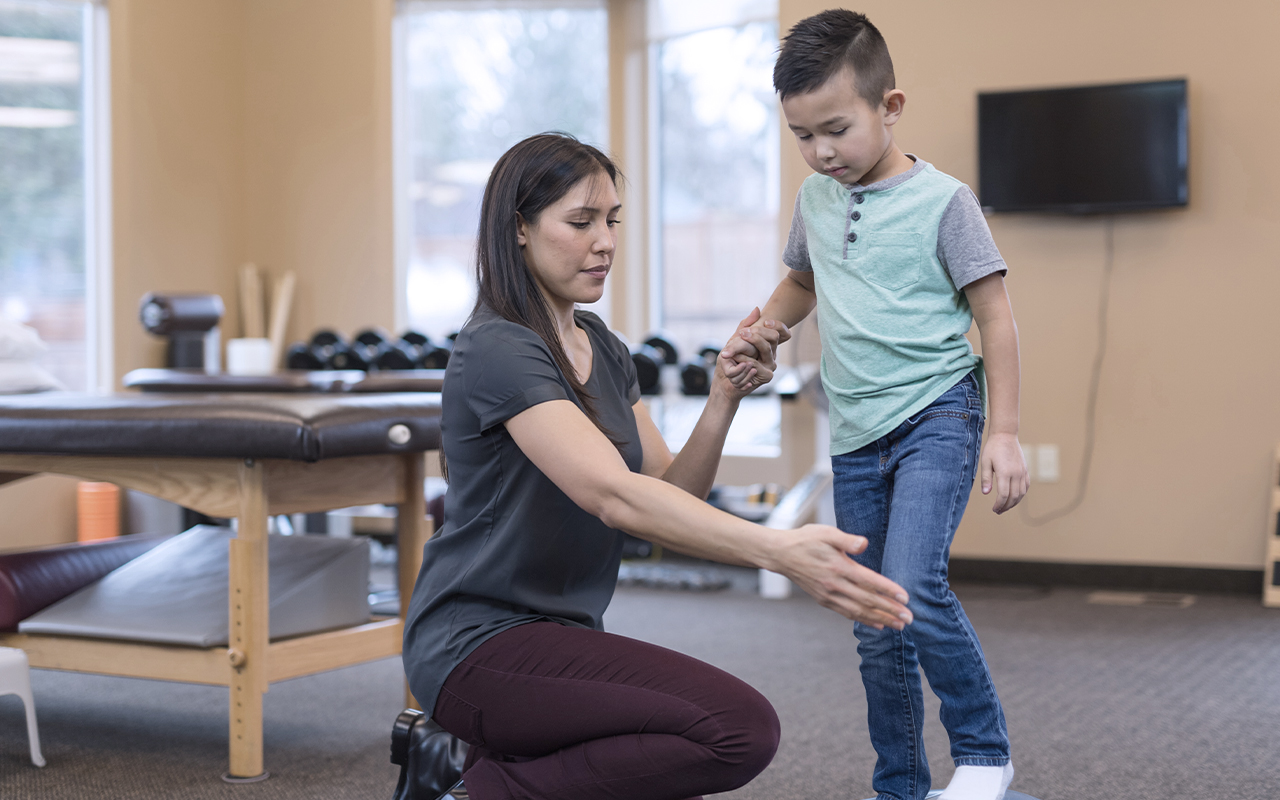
point(1103, 703)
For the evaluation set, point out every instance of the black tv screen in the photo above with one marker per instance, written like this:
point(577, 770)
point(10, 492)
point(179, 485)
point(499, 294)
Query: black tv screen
point(1084, 150)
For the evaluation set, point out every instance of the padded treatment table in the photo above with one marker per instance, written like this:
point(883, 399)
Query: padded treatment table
point(293, 380)
point(243, 455)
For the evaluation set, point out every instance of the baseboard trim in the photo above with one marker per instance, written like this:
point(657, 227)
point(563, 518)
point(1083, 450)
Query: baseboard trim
point(1108, 576)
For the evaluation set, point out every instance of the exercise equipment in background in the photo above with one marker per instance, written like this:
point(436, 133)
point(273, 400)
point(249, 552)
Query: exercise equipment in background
point(190, 323)
point(370, 349)
point(432, 355)
point(648, 361)
point(696, 374)
point(663, 344)
point(301, 356)
point(97, 511)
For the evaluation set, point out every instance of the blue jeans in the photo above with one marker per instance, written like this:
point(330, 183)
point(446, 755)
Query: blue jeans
point(906, 494)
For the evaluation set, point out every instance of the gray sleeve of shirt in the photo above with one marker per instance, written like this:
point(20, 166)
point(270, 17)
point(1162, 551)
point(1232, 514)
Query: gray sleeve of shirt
point(965, 246)
point(796, 254)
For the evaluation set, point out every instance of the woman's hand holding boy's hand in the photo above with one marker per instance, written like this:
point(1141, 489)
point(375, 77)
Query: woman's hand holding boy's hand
point(749, 358)
point(1005, 470)
point(816, 557)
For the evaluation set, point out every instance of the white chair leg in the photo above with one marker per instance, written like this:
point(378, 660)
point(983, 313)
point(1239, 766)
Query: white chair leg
point(15, 675)
point(33, 733)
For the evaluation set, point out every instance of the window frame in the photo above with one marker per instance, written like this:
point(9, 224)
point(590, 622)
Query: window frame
point(656, 37)
point(402, 162)
point(96, 201)
point(98, 263)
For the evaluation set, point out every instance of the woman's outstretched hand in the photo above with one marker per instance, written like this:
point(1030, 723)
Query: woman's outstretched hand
point(749, 358)
point(816, 557)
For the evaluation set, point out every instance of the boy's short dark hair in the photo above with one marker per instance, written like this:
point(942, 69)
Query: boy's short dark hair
point(822, 45)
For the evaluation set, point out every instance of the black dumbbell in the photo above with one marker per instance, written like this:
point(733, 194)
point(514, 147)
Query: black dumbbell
point(663, 344)
point(348, 358)
point(415, 338)
point(324, 342)
point(335, 352)
point(695, 378)
point(696, 375)
point(427, 354)
point(398, 355)
point(371, 337)
point(300, 356)
point(435, 356)
point(411, 344)
point(648, 361)
point(371, 345)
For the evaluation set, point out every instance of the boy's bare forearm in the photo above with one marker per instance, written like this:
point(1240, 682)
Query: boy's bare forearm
point(1001, 364)
point(994, 316)
point(792, 301)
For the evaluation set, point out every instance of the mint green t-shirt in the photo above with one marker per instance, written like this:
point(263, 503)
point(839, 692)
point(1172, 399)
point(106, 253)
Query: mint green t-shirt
point(889, 262)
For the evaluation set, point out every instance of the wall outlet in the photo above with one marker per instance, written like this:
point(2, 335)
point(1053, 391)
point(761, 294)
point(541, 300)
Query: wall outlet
point(1046, 470)
point(1029, 458)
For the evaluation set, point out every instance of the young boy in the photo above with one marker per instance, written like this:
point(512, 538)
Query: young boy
point(898, 261)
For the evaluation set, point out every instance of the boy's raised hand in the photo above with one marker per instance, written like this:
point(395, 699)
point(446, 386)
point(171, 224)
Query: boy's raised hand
point(1005, 471)
point(749, 358)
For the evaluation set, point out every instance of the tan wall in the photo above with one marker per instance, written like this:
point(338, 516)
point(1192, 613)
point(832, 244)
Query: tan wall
point(37, 511)
point(177, 99)
point(318, 154)
point(1188, 414)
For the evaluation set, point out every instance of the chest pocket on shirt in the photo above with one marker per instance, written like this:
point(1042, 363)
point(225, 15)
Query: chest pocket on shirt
point(892, 261)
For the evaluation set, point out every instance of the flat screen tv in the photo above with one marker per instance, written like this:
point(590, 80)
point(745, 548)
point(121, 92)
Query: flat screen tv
point(1084, 149)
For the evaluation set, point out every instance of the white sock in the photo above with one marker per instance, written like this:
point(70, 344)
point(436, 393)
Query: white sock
point(978, 783)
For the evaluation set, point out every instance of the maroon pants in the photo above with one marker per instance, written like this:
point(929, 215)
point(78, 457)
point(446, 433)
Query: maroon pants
point(557, 712)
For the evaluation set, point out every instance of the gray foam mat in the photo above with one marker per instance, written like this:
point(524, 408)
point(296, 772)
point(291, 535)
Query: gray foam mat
point(177, 592)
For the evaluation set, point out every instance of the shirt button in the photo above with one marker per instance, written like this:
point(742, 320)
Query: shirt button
point(857, 215)
point(853, 237)
point(857, 198)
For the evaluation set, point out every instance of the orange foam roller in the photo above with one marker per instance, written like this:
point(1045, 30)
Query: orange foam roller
point(97, 511)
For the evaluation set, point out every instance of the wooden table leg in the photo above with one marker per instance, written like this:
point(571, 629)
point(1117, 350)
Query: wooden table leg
point(413, 528)
point(248, 597)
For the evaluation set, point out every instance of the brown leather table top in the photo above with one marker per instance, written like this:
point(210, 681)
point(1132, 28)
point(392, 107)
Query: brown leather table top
point(303, 427)
point(300, 381)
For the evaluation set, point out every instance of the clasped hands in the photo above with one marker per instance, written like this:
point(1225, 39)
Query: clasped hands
point(750, 357)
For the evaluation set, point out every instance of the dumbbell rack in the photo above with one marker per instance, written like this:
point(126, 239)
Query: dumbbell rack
point(1271, 579)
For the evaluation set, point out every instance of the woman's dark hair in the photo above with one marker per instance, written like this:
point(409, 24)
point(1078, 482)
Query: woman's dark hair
point(529, 177)
point(820, 46)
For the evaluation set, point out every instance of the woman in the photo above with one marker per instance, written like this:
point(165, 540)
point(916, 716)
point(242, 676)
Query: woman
point(550, 453)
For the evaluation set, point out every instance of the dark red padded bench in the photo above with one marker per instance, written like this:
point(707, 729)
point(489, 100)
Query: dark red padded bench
point(242, 455)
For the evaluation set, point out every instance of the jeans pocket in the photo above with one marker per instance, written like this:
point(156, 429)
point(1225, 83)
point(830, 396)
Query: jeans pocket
point(936, 412)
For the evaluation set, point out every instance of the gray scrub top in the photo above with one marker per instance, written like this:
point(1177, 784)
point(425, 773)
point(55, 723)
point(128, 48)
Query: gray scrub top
point(514, 548)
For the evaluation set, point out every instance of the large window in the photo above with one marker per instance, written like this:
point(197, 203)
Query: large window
point(715, 251)
point(473, 79)
point(49, 214)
